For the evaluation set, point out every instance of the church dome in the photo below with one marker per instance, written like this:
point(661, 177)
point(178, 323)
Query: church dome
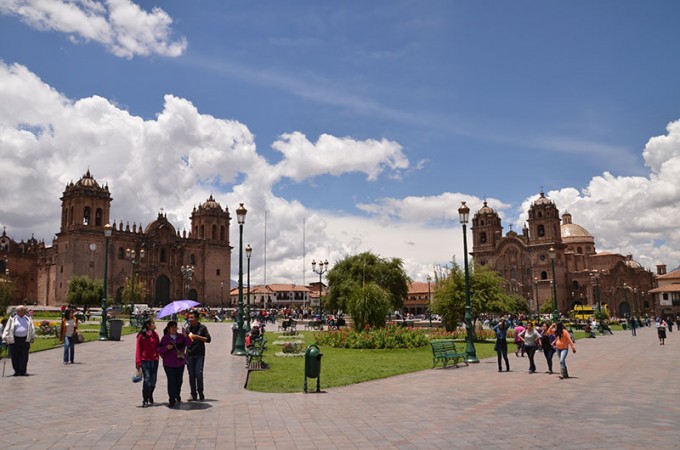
point(485, 209)
point(211, 203)
point(160, 225)
point(574, 233)
point(543, 200)
point(87, 181)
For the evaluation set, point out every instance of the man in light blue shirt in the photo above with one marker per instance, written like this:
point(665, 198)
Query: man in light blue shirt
point(19, 333)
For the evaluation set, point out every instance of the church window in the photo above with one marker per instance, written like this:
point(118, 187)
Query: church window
point(482, 238)
point(222, 230)
point(218, 272)
point(575, 285)
point(540, 214)
point(579, 250)
point(164, 255)
point(121, 253)
point(544, 275)
point(541, 230)
point(192, 259)
point(86, 216)
point(482, 262)
point(213, 232)
point(201, 232)
point(98, 217)
point(513, 273)
point(481, 222)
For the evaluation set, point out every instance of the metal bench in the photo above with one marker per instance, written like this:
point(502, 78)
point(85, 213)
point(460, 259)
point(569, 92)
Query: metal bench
point(445, 350)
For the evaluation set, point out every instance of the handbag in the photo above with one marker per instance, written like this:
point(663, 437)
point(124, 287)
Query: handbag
point(78, 337)
point(137, 377)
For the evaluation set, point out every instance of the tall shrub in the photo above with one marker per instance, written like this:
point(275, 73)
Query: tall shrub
point(368, 305)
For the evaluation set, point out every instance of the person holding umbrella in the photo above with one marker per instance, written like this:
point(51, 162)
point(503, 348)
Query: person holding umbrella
point(172, 349)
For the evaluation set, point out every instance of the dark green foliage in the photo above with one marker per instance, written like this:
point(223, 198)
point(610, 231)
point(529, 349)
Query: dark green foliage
point(83, 291)
point(362, 269)
point(368, 306)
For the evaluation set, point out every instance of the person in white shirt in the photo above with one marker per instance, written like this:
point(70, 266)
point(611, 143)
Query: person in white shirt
point(19, 333)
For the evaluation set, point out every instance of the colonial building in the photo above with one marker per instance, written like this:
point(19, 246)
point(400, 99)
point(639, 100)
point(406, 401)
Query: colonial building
point(418, 299)
point(276, 296)
point(580, 273)
point(667, 295)
point(80, 248)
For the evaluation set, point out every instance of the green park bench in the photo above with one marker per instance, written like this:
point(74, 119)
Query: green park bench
point(445, 350)
point(254, 358)
point(288, 324)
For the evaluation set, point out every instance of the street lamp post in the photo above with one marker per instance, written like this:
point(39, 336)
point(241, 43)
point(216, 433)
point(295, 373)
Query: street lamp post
point(464, 214)
point(323, 268)
point(625, 295)
point(595, 277)
point(103, 331)
point(429, 299)
point(553, 254)
point(240, 338)
point(538, 313)
point(134, 260)
point(187, 274)
point(249, 252)
point(221, 294)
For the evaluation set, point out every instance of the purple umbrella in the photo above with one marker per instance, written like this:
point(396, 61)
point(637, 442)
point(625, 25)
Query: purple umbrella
point(175, 307)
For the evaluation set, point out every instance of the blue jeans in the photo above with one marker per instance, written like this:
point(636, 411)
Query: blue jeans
point(195, 367)
point(150, 371)
point(69, 348)
point(563, 357)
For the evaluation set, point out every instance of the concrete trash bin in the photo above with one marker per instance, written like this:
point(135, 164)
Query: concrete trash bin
point(313, 366)
point(115, 329)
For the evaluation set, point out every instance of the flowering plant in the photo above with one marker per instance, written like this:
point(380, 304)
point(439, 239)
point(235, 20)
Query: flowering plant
point(47, 328)
point(391, 336)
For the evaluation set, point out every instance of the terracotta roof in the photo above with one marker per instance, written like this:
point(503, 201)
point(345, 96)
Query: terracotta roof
point(418, 287)
point(668, 288)
point(670, 275)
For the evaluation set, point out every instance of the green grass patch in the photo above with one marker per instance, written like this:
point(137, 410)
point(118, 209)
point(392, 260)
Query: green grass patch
point(90, 332)
point(342, 367)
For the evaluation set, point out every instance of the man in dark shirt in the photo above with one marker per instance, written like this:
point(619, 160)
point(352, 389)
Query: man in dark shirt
point(198, 333)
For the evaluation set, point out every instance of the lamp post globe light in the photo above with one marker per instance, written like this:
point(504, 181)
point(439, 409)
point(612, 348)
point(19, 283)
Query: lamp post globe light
point(221, 294)
point(538, 312)
point(240, 338)
point(134, 259)
point(103, 331)
point(464, 215)
point(553, 254)
point(187, 274)
point(249, 252)
point(429, 299)
point(323, 268)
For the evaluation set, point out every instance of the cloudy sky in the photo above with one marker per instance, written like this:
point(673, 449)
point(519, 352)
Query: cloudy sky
point(346, 126)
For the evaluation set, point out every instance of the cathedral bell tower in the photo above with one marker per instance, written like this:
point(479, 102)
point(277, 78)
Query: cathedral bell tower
point(486, 234)
point(85, 205)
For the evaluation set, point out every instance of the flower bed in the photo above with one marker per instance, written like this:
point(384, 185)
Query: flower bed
point(391, 336)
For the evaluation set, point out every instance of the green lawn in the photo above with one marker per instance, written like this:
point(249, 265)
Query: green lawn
point(90, 332)
point(341, 367)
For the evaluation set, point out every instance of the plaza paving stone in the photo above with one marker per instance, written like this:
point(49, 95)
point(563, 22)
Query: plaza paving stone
point(625, 393)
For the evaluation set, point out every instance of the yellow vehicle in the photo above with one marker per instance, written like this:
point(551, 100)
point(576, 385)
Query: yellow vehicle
point(583, 312)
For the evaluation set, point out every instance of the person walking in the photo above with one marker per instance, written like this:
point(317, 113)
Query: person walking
point(198, 333)
point(172, 349)
point(547, 342)
point(562, 343)
point(633, 325)
point(661, 330)
point(501, 346)
point(146, 359)
point(519, 328)
point(530, 341)
point(68, 335)
point(19, 334)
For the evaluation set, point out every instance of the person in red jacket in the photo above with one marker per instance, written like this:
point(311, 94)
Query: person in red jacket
point(146, 359)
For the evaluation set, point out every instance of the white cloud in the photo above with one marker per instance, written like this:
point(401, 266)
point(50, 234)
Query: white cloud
point(120, 25)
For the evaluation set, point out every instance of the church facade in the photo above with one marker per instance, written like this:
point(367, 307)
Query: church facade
point(580, 272)
point(80, 249)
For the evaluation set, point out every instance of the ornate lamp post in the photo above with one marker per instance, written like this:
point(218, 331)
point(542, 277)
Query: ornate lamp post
point(249, 252)
point(553, 254)
point(240, 338)
point(429, 299)
point(221, 294)
point(625, 294)
point(103, 331)
point(464, 215)
point(134, 260)
point(538, 312)
point(187, 274)
point(323, 268)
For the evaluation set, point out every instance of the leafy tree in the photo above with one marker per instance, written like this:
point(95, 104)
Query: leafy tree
point(486, 295)
point(547, 306)
point(361, 270)
point(140, 291)
point(84, 291)
point(7, 289)
point(368, 305)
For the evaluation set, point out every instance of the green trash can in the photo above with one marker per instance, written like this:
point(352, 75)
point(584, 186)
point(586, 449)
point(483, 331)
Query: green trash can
point(313, 366)
point(624, 325)
point(115, 329)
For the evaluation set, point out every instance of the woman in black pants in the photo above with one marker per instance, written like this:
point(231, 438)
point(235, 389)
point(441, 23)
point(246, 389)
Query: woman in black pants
point(501, 346)
point(548, 346)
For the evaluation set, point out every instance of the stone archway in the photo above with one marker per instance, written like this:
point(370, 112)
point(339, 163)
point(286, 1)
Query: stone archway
point(624, 309)
point(162, 290)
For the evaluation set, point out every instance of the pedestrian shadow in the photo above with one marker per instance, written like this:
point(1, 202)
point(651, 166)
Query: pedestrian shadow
point(192, 406)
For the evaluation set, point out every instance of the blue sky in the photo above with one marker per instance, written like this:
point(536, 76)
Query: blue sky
point(369, 120)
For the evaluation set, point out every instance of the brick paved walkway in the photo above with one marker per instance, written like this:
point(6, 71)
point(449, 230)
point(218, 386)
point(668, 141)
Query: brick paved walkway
point(625, 394)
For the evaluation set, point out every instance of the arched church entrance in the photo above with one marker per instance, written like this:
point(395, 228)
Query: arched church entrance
point(162, 291)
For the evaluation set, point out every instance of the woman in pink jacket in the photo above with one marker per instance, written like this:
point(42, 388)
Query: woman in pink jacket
point(146, 359)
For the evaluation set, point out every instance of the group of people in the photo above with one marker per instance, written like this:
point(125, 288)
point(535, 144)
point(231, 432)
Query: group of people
point(177, 349)
point(550, 338)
